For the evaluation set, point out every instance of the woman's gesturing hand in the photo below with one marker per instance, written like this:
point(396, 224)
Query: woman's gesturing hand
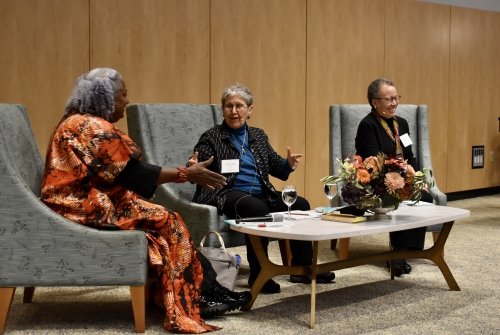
point(293, 159)
point(199, 174)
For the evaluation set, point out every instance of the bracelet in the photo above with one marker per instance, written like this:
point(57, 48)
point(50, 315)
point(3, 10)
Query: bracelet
point(182, 174)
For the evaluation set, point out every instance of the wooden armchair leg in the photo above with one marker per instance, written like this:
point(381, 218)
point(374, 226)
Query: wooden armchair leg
point(138, 294)
point(6, 297)
point(28, 294)
point(286, 253)
point(344, 248)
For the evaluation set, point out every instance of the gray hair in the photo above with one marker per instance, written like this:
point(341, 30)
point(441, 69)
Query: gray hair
point(238, 90)
point(94, 93)
point(374, 88)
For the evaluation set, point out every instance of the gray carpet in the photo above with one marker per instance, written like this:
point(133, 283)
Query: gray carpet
point(362, 300)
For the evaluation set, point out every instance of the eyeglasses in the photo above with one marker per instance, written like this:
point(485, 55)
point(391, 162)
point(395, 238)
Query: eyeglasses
point(239, 108)
point(388, 100)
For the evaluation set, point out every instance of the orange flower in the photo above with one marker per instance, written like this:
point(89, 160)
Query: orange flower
point(363, 176)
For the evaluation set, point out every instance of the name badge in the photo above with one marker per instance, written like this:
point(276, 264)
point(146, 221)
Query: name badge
point(406, 140)
point(230, 166)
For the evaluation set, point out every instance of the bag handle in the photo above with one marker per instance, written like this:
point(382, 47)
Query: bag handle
point(221, 241)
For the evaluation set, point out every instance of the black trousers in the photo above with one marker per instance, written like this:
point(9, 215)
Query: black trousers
point(241, 204)
point(412, 239)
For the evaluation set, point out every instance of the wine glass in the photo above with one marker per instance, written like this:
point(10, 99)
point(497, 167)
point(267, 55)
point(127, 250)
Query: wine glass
point(331, 190)
point(289, 196)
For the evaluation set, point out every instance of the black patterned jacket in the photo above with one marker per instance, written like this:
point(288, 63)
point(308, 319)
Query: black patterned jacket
point(216, 142)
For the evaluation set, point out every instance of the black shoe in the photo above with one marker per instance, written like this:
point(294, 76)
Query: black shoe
point(322, 278)
point(220, 300)
point(397, 267)
point(406, 267)
point(236, 299)
point(269, 287)
point(211, 306)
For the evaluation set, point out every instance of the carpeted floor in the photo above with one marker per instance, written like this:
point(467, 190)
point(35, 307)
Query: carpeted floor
point(362, 300)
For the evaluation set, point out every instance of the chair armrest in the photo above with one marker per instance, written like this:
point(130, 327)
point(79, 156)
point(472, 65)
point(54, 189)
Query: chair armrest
point(41, 248)
point(439, 197)
point(198, 217)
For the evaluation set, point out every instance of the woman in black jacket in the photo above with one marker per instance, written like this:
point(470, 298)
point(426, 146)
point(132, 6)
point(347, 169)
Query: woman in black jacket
point(245, 156)
point(383, 131)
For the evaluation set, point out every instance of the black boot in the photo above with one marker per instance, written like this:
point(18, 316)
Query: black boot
point(220, 300)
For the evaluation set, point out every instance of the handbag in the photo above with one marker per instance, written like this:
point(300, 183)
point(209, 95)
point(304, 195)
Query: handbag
point(225, 263)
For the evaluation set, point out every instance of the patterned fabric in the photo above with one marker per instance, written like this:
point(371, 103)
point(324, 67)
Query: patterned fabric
point(217, 143)
point(393, 136)
point(85, 155)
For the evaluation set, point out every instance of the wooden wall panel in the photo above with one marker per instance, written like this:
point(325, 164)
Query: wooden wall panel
point(262, 44)
point(299, 57)
point(345, 52)
point(44, 48)
point(417, 59)
point(474, 98)
point(161, 47)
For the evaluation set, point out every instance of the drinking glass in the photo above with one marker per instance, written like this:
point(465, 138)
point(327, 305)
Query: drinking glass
point(289, 196)
point(331, 190)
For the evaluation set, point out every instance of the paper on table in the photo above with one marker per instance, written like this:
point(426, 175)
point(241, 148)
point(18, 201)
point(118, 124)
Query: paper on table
point(301, 215)
point(420, 203)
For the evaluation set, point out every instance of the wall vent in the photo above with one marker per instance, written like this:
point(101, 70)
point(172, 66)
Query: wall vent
point(478, 156)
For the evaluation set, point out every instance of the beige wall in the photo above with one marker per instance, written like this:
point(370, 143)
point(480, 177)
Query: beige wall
point(298, 56)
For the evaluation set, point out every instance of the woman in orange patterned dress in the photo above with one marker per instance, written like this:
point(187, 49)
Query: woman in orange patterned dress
point(94, 176)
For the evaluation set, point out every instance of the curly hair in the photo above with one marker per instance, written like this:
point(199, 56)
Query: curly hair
point(94, 93)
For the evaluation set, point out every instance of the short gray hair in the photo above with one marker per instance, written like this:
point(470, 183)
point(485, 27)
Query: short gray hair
point(238, 90)
point(94, 93)
point(374, 88)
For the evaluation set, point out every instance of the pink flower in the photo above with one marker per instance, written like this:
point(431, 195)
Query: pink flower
point(410, 171)
point(357, 162)
point(393, 181)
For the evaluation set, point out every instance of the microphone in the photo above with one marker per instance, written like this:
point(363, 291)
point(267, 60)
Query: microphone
point(272, 217)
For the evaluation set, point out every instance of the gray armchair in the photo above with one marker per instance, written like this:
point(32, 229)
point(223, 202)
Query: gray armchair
point(167, 134)
point(38, 247)
point(344, 121)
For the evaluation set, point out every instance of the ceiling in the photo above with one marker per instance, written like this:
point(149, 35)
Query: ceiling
point(489, 5)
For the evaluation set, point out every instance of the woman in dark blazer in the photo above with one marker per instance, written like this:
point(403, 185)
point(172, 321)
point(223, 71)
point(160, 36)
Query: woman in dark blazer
point(383, 131)
point(248, 192)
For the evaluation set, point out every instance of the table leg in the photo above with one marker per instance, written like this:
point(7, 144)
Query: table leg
point(268, 270)
point(437, 256)
point(314, 272)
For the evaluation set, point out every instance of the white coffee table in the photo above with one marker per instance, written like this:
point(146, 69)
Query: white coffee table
point(312, 228)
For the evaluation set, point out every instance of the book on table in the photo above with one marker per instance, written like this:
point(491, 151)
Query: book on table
point(339, 217)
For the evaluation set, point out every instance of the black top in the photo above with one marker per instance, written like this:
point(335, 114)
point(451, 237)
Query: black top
point(216, 142)
point(372, 139)
point(139, 177)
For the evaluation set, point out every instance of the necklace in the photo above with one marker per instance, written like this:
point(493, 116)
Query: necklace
point(240, 143)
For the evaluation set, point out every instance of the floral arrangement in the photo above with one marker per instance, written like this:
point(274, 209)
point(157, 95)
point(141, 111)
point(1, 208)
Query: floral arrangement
point(379, 181)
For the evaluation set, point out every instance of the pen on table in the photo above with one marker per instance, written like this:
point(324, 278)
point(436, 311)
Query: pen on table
point(299, 213)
